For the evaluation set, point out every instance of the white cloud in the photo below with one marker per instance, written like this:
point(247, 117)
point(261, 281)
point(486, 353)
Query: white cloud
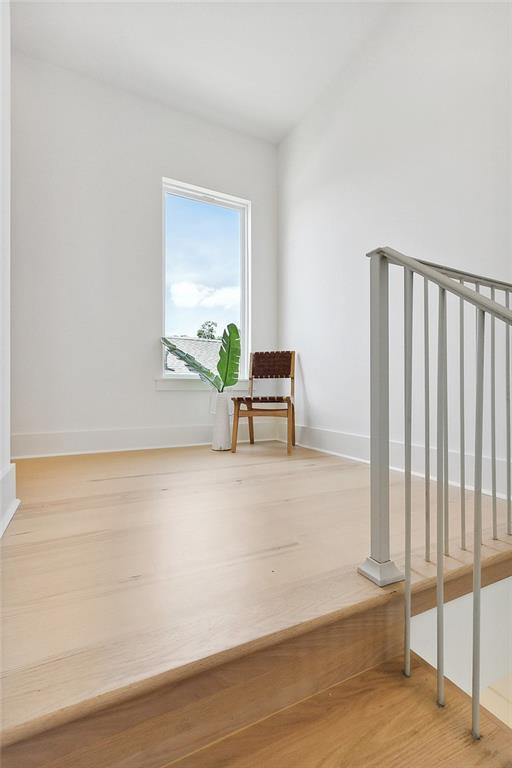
point(227, 297)
point(190, 295)
point(187, 294)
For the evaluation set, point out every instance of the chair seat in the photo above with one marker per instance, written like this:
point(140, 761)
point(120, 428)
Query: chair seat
point(249, 400)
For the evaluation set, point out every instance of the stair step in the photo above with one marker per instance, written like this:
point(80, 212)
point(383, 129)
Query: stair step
point(377, 719)
point(226, 694)
point(174, 720)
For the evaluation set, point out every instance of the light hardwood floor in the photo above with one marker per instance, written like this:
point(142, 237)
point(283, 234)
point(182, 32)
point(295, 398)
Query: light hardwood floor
point(175, 720)
point(378, 719)
point(125, 571)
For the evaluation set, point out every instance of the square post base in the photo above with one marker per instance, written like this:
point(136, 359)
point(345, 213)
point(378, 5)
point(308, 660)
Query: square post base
point(380, 573)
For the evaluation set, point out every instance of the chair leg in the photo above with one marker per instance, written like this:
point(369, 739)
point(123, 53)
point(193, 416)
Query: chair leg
point(290, 428)
point(250, 419)
point(293, 424)
point(234, 437)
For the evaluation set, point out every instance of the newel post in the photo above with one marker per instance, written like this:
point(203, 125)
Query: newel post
point(378, 567)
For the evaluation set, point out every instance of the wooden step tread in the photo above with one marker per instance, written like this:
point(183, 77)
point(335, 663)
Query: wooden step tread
point(376, 719)
point(181, 717)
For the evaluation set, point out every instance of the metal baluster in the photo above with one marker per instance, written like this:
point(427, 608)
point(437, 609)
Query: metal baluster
point(462, 429)
point(441, 362)
point(507, 419)
point(408, 300)
point(493, 423)
point(427, 418)
point(445, 440)
point(477, 540)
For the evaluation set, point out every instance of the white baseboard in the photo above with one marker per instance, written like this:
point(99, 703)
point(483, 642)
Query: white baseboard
point(8, 501)
point(357, 447)
point(339, 443)
point(343, 444)
point(130, 439)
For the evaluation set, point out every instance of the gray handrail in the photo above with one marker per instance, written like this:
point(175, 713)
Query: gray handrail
point(436, 275)
point(469, 277)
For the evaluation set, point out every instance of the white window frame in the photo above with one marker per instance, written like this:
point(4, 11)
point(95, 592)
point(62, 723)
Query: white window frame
point(242, 205)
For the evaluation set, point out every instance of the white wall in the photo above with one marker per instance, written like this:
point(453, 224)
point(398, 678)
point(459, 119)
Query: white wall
point(409, 147)
point(496, 636)
point(8, 501)
point(88, 161)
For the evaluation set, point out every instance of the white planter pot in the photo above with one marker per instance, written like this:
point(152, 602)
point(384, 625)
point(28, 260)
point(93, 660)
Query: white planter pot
point(221, 440)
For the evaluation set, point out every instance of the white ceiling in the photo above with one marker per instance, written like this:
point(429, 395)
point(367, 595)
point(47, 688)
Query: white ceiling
point(254, 67)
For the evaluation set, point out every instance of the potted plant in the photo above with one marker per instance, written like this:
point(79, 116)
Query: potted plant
point(227, 373)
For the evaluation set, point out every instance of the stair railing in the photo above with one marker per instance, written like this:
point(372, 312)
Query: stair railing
point(379, 567)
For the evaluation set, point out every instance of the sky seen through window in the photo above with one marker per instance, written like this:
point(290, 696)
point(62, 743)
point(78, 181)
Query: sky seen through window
point(202, 258)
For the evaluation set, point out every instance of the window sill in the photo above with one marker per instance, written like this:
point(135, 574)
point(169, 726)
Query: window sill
point(192, 384)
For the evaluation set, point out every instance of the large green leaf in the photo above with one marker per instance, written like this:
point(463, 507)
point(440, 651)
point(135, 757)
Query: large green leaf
point(229, 356)
point(194, 365)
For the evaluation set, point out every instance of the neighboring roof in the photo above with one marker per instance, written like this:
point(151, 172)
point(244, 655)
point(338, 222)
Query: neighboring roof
point(204, 350)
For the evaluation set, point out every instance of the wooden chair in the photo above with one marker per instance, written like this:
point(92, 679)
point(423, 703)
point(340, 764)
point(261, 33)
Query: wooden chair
point(267, 365)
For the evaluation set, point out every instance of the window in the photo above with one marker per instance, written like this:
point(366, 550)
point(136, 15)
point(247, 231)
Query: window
point(206, 272)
